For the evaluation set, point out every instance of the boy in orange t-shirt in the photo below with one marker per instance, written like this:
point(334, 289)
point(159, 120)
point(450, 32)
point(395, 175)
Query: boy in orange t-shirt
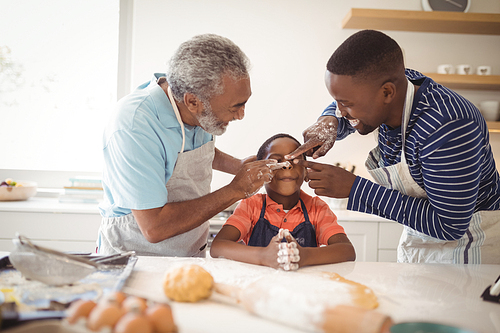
point(286, 227)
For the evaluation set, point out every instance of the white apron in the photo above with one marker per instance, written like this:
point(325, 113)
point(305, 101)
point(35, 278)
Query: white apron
point(481, 242)
point(190, 180)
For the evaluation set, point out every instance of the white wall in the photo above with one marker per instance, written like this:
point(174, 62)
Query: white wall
point(289, 43)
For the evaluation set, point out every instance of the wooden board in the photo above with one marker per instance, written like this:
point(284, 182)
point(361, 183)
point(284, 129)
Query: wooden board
point(473, 82)
point(413, 20)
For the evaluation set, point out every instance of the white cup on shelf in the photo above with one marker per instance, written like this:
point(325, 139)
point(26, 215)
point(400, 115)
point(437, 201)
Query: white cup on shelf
point(464, 69)
point(490, 110)
point(483, 70)
point(445, 69)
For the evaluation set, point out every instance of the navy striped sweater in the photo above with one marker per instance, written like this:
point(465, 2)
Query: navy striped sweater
point(449, 155)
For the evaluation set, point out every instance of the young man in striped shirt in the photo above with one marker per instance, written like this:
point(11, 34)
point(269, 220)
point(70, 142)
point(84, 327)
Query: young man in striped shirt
point(433, 168)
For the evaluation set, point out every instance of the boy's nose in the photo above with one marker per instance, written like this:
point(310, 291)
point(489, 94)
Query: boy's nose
point(288, 166)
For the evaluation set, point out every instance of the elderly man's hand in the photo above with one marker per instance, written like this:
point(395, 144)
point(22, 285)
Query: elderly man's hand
point(318, 138)
point(252, 176)
point(248, 159)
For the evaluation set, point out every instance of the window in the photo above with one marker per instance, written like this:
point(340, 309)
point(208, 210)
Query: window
point(58, 82)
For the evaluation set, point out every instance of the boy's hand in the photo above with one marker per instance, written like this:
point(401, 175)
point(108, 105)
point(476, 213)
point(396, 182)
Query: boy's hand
point(269, 254)
point(289, 252)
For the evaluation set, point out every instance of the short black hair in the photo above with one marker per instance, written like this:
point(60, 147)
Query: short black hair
point(265, 146)
point(367, 54)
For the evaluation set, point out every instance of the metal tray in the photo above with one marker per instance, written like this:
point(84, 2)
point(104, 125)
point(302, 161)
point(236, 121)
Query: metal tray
point(31, 295)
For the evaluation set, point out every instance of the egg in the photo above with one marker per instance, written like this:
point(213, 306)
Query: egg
point(104, 315)
point(133, 303)
point(160, 316)
point(78, 309)
point(133, 322)
point(114, 296)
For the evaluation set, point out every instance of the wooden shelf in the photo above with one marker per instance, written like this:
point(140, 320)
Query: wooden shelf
point(472, 82)
point(413, 20)
point(493, 126)
point(443, 22)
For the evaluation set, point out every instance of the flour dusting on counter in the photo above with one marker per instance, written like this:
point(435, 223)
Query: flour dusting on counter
point(300, 299)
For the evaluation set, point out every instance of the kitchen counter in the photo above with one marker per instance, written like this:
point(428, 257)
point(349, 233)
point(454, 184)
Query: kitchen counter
point(47, 205)
point(446, 294)
point(52, 205)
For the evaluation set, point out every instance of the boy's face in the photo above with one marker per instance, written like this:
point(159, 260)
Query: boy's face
point(286, 181)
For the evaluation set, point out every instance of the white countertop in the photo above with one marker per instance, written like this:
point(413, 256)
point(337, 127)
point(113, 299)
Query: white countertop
point(52, 205)
point(47, 205)
point(445, 294)
point(437, 293)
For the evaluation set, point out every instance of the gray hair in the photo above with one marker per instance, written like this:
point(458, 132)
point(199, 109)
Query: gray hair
point(198, 65)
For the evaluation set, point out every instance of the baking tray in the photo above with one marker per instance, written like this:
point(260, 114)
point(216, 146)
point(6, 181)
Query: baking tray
point(30, 295)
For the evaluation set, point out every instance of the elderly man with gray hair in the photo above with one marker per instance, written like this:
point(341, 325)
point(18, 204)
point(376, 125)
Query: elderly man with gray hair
point(159, 153)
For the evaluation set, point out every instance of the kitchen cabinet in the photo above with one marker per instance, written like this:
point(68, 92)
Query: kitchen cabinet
point(389, 233)
point(364, 238)
point(374, 238)
point(441, 22)
point(60, 226)
point(74, 227)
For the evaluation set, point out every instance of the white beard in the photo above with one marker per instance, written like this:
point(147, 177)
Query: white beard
point(209, 122)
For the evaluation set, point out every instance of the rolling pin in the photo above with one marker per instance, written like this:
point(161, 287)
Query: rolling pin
point(324, 302)
point(345, 318)
point(290, 309)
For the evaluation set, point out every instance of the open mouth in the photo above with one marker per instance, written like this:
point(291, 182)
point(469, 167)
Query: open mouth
point(354, 122)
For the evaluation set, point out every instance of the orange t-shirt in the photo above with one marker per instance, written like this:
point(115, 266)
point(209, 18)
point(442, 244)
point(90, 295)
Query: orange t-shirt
point(247, 214)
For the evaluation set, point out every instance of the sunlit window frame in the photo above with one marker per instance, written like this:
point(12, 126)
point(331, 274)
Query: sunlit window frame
point(58, 179)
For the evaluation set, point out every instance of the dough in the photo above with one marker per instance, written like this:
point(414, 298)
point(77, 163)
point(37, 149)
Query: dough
point(189, 283)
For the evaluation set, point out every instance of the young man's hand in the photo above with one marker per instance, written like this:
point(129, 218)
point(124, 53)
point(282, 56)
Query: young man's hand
point(328, 180)
point(318, 138)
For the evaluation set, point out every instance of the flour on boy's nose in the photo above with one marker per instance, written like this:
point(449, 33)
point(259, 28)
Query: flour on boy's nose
point(276, 166)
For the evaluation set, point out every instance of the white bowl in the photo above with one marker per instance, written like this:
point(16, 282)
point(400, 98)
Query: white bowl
point(24, 192)
point(490, 110)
